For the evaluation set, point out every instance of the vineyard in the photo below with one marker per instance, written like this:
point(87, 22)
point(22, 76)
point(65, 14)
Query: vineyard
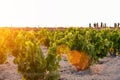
point(82, 46)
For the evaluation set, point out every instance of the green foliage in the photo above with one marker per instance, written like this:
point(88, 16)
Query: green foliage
point(32, 63)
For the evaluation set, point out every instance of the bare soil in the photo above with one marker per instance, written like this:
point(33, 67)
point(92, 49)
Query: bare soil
point(107, 69)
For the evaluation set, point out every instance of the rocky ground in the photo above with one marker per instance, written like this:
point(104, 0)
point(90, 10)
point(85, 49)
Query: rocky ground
point(107, 69)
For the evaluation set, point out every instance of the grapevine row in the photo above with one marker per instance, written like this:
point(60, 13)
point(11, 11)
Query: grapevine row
point(33, 64)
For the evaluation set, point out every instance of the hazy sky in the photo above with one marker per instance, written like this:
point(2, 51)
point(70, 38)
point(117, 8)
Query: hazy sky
point(58, 12)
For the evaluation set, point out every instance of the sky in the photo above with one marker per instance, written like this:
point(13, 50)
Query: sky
point(59, 13)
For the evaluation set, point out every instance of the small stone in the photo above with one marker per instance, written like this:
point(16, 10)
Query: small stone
point(97, 69)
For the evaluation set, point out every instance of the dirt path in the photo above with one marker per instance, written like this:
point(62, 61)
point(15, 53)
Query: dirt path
point(8, 71)
point(108, 70)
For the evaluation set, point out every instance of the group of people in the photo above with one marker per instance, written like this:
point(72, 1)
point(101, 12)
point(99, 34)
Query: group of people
point(96, 25)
